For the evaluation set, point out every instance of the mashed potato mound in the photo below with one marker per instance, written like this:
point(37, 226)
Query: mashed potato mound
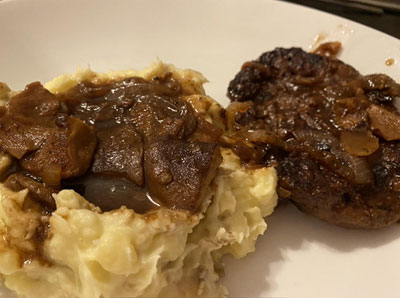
point(164, 253)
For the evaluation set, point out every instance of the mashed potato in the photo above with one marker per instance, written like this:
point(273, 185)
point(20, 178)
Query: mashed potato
point(164, 253)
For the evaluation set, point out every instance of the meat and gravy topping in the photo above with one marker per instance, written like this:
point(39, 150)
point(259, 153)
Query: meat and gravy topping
point(133, 142)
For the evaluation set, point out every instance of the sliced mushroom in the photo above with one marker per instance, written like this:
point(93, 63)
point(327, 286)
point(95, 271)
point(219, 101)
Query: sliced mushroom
point(384, 123)
point(359, 143)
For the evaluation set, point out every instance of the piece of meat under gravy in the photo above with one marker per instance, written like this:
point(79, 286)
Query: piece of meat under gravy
point(133, 143)
point(332, 134)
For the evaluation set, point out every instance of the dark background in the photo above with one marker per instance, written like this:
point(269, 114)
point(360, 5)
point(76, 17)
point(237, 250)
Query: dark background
point(389, 22)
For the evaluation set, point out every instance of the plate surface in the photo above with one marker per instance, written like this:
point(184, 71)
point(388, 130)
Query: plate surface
point(298, 256)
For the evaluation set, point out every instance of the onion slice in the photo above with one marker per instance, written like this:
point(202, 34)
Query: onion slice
point(233, 109)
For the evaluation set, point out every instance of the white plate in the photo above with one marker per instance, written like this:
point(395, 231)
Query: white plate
point(298, 256)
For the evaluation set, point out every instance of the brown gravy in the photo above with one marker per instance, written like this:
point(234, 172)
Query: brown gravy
point(116, 143)
point(329, 49)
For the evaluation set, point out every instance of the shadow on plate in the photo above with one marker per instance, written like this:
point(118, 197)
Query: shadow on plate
point(291, 230)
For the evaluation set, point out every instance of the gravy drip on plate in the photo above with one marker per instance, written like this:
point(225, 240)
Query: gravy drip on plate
point(390, 61)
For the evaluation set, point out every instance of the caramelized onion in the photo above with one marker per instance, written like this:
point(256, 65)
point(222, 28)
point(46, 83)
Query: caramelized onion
point(362, 173)
point(51, 175)
point(349, 113)
point(260, 136)
point(359, 143)
point(283, 193)
point(233, 109)
point(260, 67)
point(314, 136)
point(323, 147)
point(300, 80)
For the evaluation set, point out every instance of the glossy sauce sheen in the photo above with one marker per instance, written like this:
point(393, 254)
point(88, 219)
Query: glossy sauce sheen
point(106, 108)
point(108, 191)
point(133, 143)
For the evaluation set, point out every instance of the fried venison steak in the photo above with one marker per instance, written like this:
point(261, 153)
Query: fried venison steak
point(134, 143)
point(332, 133)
